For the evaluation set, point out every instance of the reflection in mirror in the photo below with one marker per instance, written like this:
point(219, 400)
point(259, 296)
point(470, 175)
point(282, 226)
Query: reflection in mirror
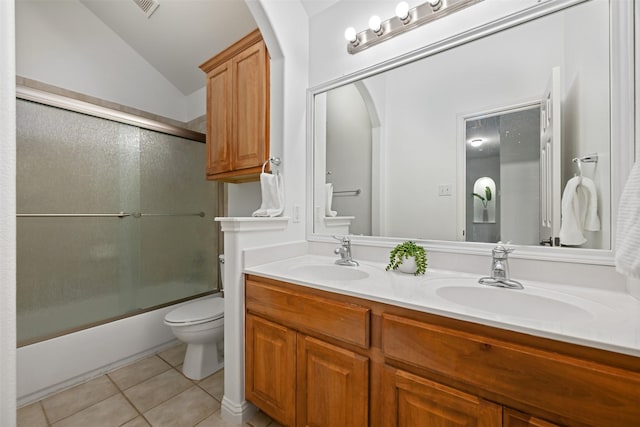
point(503, 176)
point(397, 149)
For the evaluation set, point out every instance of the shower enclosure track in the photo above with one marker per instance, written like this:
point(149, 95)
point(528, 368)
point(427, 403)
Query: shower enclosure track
point(75, 105)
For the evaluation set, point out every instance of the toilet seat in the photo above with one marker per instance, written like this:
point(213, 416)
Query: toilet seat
point(196, 312)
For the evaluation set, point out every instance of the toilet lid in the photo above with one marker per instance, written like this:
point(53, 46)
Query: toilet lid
point(197, 311)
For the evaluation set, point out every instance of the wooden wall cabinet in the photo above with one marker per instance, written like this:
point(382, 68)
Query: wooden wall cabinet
point(317, 358)
point(238, 110)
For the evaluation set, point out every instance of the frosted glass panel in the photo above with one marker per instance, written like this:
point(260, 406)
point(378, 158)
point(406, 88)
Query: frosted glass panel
point(70, 162)
point(74, 271)
point(178, 252)
point(70, 273)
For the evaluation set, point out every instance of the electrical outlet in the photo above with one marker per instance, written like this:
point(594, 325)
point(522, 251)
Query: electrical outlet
point(444, 190)
point(296, 213)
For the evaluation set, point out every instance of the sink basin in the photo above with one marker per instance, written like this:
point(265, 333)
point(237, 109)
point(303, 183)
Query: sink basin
point(328, 272)
point(514, 303)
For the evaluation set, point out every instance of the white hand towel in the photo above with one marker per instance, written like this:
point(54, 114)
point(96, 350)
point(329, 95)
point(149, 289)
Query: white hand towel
point(591, 220)
point(329, 200)
point(579, 211)
point(272, 195)
point(627, 256)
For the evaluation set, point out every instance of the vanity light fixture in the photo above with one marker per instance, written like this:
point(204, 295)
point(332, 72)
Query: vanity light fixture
point(405, 20)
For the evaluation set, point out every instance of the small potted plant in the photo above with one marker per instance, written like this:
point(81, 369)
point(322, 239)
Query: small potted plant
point(409, 258)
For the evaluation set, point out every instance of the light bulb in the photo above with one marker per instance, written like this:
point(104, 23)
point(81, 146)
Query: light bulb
point(476, 142)
point(402, 11)
point(350, 35)
point(374, 24)
point(435, 4)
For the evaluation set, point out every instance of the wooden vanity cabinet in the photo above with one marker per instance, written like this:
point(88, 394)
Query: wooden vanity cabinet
point(238, 110)
point(412, 400)
point(513, 418)
point(318, 358)
point(271, 368)
point(292, 372)
point(332, 385)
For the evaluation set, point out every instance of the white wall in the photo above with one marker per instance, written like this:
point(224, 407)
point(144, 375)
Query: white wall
point(349, 155)
point(60, 42)
point(7, 217)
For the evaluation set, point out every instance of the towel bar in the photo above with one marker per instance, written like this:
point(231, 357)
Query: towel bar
point(589, 158)
point(104, 215)
point(346, 192)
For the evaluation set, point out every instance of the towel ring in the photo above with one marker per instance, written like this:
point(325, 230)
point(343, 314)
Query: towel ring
point(275, 160)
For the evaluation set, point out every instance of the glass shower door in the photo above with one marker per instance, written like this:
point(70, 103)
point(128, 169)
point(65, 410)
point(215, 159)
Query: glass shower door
point(178, 249)
point(72, 259)
point(112, 219)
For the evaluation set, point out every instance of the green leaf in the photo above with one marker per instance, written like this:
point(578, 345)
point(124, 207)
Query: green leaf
point(487, 192)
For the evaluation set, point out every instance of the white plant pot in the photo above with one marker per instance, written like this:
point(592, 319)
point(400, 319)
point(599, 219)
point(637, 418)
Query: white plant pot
point(408, 266)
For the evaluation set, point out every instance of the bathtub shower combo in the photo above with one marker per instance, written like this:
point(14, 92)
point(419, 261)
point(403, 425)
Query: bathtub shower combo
point(114, 220)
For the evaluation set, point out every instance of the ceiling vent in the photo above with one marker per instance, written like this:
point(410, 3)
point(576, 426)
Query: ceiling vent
point(147, 6)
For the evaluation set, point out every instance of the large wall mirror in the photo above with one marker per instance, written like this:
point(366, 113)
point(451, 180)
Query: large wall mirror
point(476, 143)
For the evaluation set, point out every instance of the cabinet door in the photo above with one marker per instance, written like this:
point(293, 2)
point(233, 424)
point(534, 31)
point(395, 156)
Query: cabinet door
point(518, 419)
point(333, 385)
point(251, 108)
point(219, 109)
point(415, 401)
point(270, 374)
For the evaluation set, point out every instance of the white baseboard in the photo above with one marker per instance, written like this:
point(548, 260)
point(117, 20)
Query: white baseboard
point(236, 413)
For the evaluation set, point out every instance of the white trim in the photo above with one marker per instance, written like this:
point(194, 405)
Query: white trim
point(241, 224)
point(236, 413)
point(7, 215)
point(622, 101)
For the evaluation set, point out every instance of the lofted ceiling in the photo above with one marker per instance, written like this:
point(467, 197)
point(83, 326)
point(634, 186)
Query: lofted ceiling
point(182, 34)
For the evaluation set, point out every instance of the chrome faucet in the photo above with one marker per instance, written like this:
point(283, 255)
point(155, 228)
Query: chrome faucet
point(500, 276)
point(345, 252)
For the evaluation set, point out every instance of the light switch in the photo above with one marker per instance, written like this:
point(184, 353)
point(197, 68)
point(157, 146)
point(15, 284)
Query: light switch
point(444, 190)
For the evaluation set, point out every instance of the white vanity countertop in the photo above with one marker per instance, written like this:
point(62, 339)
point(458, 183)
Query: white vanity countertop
point(591, 317)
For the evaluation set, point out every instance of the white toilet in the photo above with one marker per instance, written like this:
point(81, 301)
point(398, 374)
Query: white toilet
point(200, 324)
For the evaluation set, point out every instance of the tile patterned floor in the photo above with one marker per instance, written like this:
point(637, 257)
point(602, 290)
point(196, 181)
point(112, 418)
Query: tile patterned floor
point(151, 392)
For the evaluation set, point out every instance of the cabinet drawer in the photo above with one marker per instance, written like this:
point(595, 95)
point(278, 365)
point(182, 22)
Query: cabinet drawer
point(588, 392)
point(309, 313)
